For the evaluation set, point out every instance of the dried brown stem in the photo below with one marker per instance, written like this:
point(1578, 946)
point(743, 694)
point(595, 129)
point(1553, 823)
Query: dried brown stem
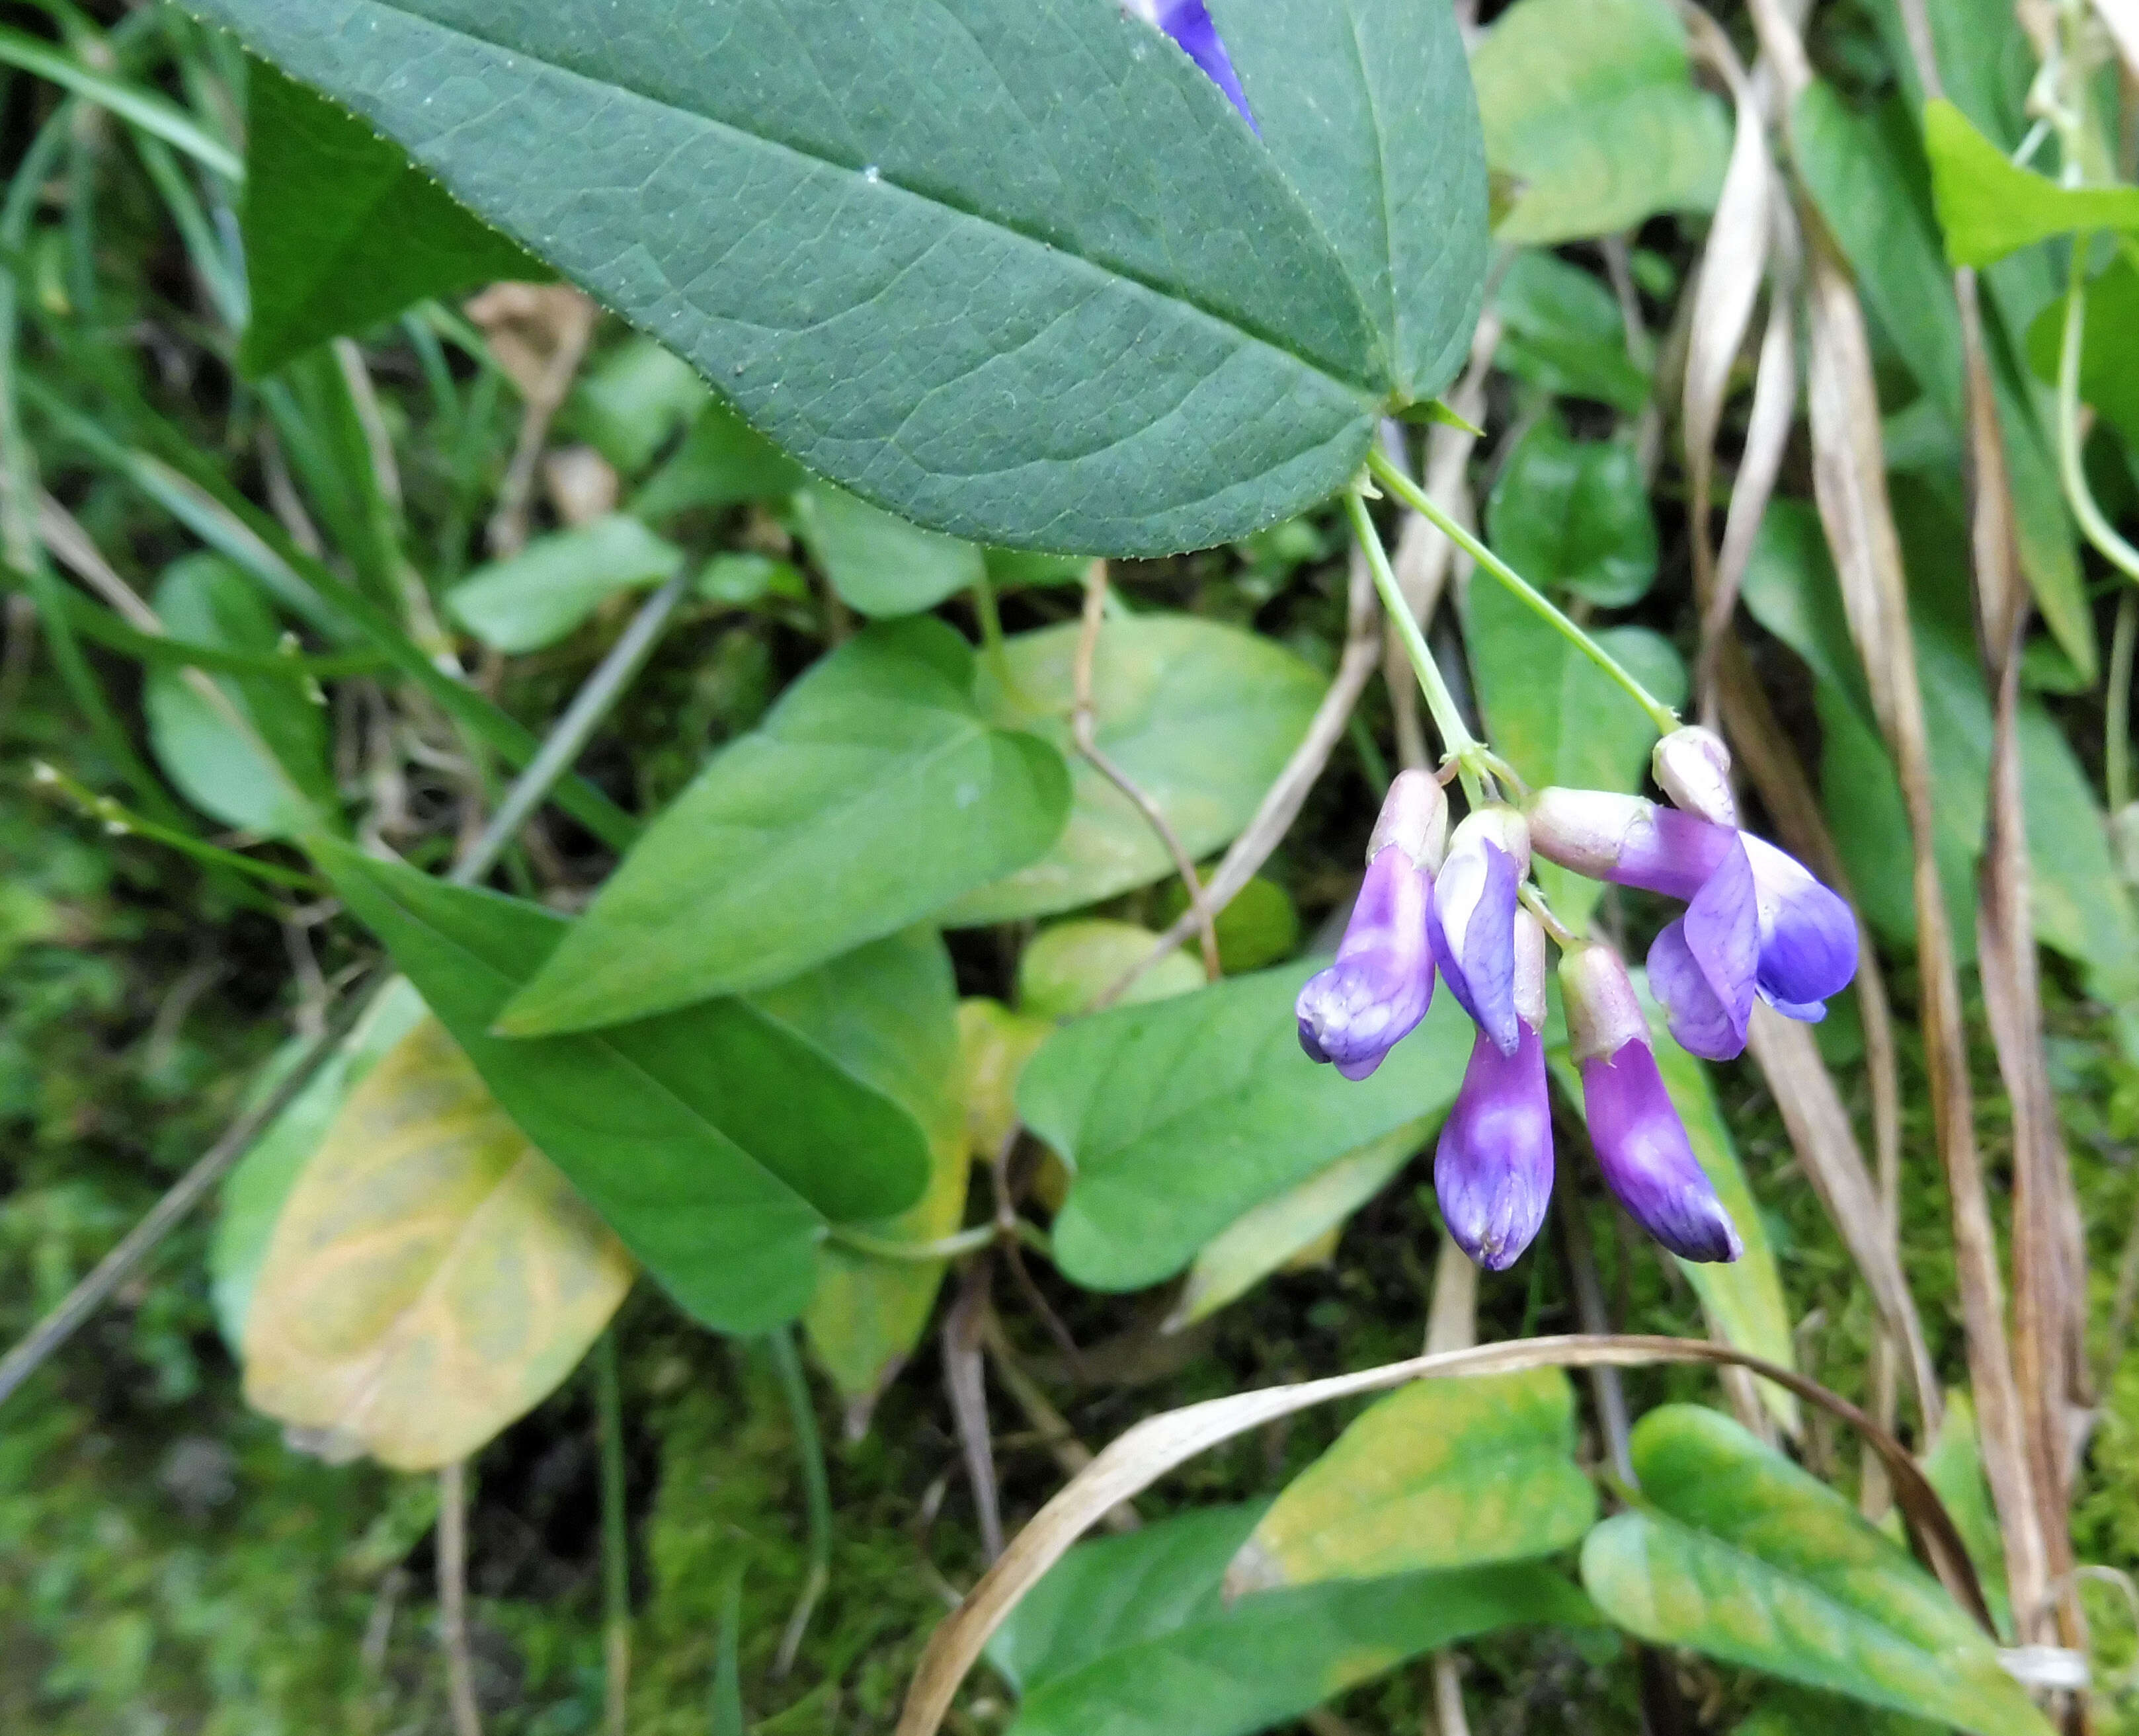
point(452, 1599)
point(1083, 730)
point(965, 1378)
point(1281, 802)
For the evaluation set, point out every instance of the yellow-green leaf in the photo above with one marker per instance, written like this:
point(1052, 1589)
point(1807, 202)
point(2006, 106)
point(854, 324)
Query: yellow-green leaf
point(1068, 966)
point(995, 1043)
point(431, 1278)
point(1439, 1473)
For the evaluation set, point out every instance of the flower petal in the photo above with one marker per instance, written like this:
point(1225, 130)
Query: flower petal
point(1808, 934)
point(1188, 22)
point(1475, 939)
point(1722, 934)
point(1374, 996)
point(1642, 1147)
point(1698, 1019)
point(1492, 1169)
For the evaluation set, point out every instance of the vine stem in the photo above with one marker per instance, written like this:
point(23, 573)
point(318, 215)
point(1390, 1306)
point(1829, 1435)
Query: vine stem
point(2116, 745)
point(1665, 719)
point(1458, 744)
point(2113, 548)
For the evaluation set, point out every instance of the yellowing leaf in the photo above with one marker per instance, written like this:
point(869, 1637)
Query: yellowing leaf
point(431, 1278)
point(995, 1043)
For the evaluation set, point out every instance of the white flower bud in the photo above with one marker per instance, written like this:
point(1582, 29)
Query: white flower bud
point(1585, 829)
point(1604, 1013)
point(1414, 817)
point(1692, 767)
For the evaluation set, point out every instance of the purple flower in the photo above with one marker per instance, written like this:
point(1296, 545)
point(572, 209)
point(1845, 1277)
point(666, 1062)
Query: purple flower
point(1756, 923)
point(1474, 929)
point(1188, 22)
point(1641, 1143)
point(1359, 1009)
point(1492, 1169)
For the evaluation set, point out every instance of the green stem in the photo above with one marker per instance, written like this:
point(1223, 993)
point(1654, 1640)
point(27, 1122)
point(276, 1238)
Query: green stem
point(616, 1560)
point(816, 1489)
point(2116, 743)
point(1412, 496)
point(1457, 742)
point(2093, 520)
point(117, 818)
point(882, 1247)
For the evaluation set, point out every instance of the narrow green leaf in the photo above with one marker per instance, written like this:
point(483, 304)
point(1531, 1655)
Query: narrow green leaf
point(1558, 719)
point(1575, 513)
point(717, 1140)
point(1012, 268)
point(872, 794)
point(881, 565)
point(1131, 1635)
point(1954, 1467)
point(153, 113)
point(1989, 207)
point(1367, 107)
point(341, 230)
point(557, 581)
point(1438, 1475)
point(1591, 113)
point(1741, 1555)
point(258, 761)
point(1201, 716)
point(1179, 1116)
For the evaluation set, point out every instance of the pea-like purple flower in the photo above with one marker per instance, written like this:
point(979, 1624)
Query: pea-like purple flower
point(1756, 923)
point(1188, 22)
point(1492, 1169)
point(1359, 1009)
point(1474, 926)
point(1640, 1141)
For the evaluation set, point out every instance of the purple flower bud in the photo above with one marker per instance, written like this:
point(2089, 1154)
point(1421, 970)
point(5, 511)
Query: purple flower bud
point(1188, 22)
point(1692, 767)
point(1641, 1143)
point(1756, 923)
point(1642, 1147)
point(1359, 1009)
point(1492, 1169)
point(1474, 929)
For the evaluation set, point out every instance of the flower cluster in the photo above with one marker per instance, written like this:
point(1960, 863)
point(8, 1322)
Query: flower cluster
point(1757, 926)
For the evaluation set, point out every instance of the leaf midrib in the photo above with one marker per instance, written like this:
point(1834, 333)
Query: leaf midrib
point(1376, 394)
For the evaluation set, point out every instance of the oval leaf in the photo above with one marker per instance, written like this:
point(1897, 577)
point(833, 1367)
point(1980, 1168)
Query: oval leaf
point(1179, 1116)
point(1201, 716)
point(873, 794)
point(432, 1276)
point(1068, 966)
point(1440, 1474)
point(1743, 1556)
point(541, 594)
point(1575, 513)
point(1012, 268)
point(879, 563)
point(717, 1141)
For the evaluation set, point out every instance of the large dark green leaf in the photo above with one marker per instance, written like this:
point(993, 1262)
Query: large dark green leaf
point(1132, 1636)
point(717, 1140)
point(1740, 1554)
point(872, 794)
point(1591, 114)
point(342, 229)
point(1202, 717)
point(1012, 268)
point(1180, 1116)
point(256, 757)
point(1367, 107)
point(1438, 1475)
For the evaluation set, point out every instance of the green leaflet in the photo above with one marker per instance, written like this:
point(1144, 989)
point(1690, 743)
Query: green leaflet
point(1367, 107)
point(259, 760)
point(1989, 207)
point(1559, 719)
point(1132, 1636)
point(1575, 513)
point(878, 562)
point(871, 795)
point(1438, 1475)
point(1202, 715)
point(557, 581)
point(717, 1140)
point(1740, 1554)
point(1011, 268)
point(1180, 1116)
point(341, 230)
point(1591, 115)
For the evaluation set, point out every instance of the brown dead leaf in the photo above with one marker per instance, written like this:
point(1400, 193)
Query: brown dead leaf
point(431, 1278)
